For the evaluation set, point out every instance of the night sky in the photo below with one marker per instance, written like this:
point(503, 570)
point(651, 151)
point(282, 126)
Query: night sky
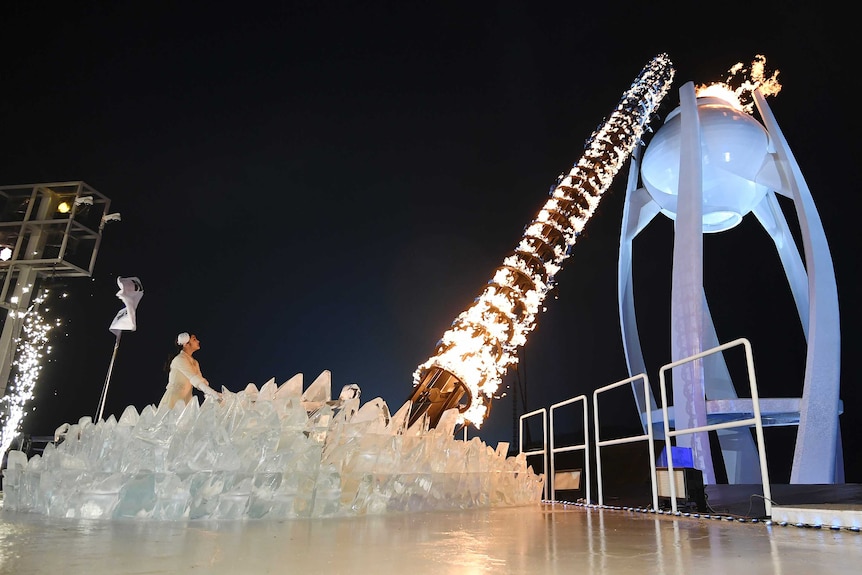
point(314, 186)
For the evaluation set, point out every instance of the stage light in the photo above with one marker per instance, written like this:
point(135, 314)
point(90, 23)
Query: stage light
point(689, 486)
point(5, 254)
point(567, 480)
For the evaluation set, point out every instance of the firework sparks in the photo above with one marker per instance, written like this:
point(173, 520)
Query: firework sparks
point(483, 341)
point(31, 349)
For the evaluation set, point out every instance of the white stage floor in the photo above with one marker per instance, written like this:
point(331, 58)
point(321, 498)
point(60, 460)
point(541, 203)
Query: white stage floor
point(548, 538)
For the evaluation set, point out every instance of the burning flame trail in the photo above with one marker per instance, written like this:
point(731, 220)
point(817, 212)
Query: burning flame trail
point(483, 340)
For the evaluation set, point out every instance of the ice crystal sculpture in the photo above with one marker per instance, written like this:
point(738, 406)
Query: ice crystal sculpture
point(268, 453)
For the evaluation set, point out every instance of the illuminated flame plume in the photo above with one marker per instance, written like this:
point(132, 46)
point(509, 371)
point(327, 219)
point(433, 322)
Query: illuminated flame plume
point(738, 88)
point(474, 354)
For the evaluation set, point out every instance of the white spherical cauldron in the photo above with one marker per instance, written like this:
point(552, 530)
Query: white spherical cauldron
point(734, 149)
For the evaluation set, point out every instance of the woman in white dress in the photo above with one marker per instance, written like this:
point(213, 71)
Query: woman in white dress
point(185, 373)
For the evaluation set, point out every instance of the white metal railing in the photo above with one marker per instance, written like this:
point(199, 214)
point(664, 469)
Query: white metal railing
point(585, 447)
point(648, 436)
point(755, 421)
point(543, 451)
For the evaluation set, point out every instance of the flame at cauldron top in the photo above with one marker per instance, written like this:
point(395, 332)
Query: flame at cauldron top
point(741, 81)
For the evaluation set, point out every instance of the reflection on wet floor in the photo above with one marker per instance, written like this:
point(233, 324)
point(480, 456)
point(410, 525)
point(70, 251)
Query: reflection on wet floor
point(547, 538)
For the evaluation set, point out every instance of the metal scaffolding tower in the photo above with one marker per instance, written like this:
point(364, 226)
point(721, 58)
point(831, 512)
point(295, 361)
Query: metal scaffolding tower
point(50, 230)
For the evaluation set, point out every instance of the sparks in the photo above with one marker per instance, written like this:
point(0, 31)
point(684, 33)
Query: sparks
point(483, 340)
point(31, 348)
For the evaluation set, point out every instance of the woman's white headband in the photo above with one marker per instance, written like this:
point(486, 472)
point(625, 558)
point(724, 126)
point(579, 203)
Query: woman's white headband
point(183, 338)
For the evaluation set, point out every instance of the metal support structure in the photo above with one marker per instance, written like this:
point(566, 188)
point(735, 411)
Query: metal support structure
point(642, 382)
point(46, 230)
point(101, 409)
point(755, 421)
point(543, 451)
point(585, 446)
point(438, 391)
point(767, 164)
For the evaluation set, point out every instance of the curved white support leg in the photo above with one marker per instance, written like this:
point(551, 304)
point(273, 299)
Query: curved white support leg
point(770, 216)
point(814, 458)
point(638, 210)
